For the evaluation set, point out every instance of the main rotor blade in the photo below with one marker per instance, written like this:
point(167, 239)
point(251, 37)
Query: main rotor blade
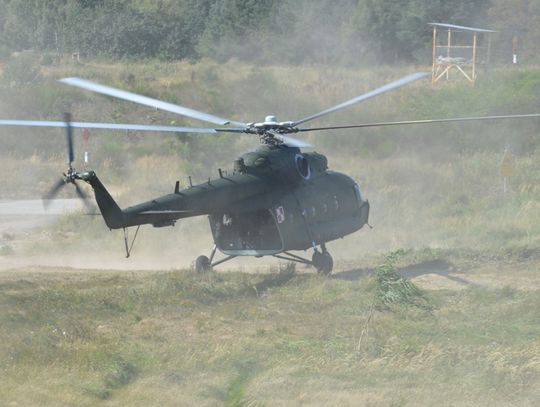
point(392, 85)
point(293, 142)
point(118, 126)
point(147, 101)
point(426, 121)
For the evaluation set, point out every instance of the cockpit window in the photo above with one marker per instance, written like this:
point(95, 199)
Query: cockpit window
point(261, 162)
point(302, 166)
point(359, 196)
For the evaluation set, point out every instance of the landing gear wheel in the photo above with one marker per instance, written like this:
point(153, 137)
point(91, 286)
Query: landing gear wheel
point(328, 263)
point(323, 262)
point(202, 264)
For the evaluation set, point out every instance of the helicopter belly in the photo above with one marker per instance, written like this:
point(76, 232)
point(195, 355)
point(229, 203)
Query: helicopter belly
point(314, 232)
point(328, 231)
point(253, 233)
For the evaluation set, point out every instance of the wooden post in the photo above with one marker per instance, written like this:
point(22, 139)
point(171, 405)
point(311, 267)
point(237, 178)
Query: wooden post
point(514, 49)
point(474, 59)
point(434, 54)
point(488, 57)
point(448, 50)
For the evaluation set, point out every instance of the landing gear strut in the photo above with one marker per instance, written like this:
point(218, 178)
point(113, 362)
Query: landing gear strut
point(321, 260)
point(203, 263)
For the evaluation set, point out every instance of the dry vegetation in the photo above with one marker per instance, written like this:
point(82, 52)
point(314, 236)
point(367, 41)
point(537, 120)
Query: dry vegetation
point(93, 334)
point(175, 338)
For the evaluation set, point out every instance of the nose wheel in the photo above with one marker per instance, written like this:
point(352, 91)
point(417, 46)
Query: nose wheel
point(322, 261)
point(202, 264)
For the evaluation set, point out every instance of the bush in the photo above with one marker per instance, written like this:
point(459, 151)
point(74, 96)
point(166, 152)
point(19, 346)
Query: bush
point(21, 70)
point(6, 250)
point(392, 288)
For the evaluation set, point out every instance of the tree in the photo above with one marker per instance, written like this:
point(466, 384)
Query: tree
point(519, 18)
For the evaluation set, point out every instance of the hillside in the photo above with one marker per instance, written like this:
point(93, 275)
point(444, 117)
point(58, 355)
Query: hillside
point(351, 33)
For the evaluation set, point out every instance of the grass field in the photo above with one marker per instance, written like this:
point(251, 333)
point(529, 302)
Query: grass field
point(83, 337)
point(149, 331)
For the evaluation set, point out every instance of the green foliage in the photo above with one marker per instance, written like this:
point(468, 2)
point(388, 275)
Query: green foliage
point(120, 374)
point(236, 393)
point(519, 19)
point(6, 250)
point(392, 288)
point(294, 31)
point(230, 23)
point(22, 70)
point(4, 53)
point(402, 31)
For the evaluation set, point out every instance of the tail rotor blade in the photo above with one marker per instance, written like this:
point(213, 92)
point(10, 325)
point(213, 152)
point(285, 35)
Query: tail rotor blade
point(70, 176)
point(82, 195)
point(69, 137)
point(80, 192)
point(53, 192)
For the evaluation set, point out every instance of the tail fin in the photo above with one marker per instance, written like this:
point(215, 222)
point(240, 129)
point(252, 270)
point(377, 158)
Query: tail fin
point(111, 212)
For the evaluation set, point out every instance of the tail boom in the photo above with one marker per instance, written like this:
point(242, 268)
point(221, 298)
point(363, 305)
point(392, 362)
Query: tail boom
point(111, 212)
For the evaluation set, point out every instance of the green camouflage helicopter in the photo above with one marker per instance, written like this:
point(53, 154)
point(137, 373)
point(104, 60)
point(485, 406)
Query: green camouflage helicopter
point(277, 199)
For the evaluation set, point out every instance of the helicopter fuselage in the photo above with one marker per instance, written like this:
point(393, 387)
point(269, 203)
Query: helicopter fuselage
point(276, 199)
point(311, 214)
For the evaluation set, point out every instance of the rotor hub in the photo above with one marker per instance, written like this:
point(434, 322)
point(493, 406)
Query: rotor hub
point(270, 130)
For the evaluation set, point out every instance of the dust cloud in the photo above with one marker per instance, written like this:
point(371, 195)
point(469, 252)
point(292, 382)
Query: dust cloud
point(436, 186)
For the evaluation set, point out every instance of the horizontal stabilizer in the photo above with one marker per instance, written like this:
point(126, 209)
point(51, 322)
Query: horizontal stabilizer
point(166, 212)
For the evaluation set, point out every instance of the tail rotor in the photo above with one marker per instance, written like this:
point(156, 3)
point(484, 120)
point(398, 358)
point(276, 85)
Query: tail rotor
point(70, 176)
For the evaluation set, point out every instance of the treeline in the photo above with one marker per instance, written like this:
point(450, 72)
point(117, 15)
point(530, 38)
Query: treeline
point(266, 31)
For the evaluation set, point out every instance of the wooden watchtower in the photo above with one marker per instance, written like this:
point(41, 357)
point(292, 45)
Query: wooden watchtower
point(456, 48)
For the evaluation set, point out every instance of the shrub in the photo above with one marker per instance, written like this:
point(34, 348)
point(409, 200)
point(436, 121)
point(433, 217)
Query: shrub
point(392, 288)
point(21, 70)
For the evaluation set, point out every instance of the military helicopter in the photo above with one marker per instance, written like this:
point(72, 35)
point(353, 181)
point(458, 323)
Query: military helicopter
point(277, 199)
